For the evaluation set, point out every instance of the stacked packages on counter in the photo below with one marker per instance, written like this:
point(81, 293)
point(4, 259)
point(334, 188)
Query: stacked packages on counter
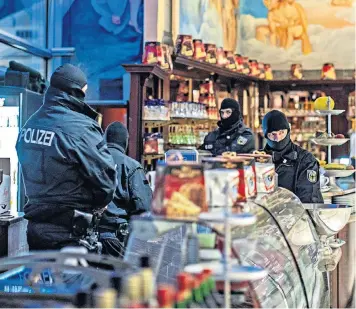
point(186, 46)
point(184, 190)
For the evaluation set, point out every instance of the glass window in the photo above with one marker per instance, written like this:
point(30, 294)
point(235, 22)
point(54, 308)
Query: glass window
point(9, 53)
point(25, 19)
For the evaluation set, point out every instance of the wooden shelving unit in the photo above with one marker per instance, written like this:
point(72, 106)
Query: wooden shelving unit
point(152, 80)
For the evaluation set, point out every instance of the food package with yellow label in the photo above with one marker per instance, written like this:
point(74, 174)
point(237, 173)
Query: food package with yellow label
point(180, 191)
point(221, 182)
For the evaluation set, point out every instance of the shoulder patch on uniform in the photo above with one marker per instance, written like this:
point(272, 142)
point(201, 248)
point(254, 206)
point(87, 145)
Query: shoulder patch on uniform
point(241, 140)
point(312, 176)
point(210, 146)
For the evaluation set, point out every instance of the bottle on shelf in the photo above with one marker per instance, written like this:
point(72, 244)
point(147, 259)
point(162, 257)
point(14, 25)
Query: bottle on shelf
point(134, 292)
point(147, 282)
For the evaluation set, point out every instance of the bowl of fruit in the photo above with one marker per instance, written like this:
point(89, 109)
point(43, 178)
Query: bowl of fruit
point(324, 139)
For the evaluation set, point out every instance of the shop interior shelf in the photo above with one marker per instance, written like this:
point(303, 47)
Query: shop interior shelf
point(156, 123)
point(196, 69)
point(276, 85)
point(147, 68)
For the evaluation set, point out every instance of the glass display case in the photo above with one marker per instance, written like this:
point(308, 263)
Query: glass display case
point(283, 241)
point(16, 106)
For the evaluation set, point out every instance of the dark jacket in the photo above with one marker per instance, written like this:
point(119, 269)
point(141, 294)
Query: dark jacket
point(298, 171)
point(64, 160)
point(238, 139)
point(133, 195)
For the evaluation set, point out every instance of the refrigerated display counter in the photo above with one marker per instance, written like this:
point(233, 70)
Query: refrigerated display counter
point(293, 242)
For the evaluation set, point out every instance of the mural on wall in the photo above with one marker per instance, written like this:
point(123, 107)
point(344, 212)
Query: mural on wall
point(105, 34)
point(310, 32)
point(213, 21)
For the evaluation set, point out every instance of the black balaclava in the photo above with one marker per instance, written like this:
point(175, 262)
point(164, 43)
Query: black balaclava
point(236, 115)
point(275, 121)
point(116, 133)
point(69, 79)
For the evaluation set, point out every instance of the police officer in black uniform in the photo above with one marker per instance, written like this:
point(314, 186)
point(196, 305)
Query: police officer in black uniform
point(133, 195)
point(232, 134)
point(297, 169)
point(66, 165)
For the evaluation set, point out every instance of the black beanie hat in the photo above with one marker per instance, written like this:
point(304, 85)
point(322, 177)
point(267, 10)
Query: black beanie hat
point(230, 103)
point(116, 133)
point(274, 121)
point(69, 79)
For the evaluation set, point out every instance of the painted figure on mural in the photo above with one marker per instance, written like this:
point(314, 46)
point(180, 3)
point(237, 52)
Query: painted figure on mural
point(227, 10)
point(287, 22)
point(115, 15)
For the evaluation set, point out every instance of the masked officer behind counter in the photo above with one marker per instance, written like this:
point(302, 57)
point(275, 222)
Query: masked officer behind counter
point(232, 134)
point(132, 196)
point(65, 162)
point(297, 169)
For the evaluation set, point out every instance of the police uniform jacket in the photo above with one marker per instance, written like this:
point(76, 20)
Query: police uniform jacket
point(133, 195)
point(64, 160)
point(298, 171)
point(238, 139)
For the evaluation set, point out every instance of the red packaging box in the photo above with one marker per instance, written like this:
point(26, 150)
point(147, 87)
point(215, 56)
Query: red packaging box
point(210, 50)
point(199, 50)
point(180, 191)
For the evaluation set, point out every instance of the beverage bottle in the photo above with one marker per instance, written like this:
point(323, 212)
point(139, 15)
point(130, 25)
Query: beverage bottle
point(165, 296)
point(134, 292)
point(147, 281)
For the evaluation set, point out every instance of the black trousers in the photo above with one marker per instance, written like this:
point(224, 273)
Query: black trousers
point(47, 236)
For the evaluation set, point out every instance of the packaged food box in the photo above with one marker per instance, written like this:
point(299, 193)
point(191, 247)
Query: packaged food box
point(296, 71)
point(239, 63)
point(261, 68)
point(265, 172)
point(247, 184)
point(210, 50)
point(153, 143)
point(199, 50)
point(230, 60)
point(184, 45)
point(180, 191)
point(221, 182)
point(245, 65)
point(328, 71)
point(253, 65)
point(268, 72)
point(153, 53)
point(220, 57)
